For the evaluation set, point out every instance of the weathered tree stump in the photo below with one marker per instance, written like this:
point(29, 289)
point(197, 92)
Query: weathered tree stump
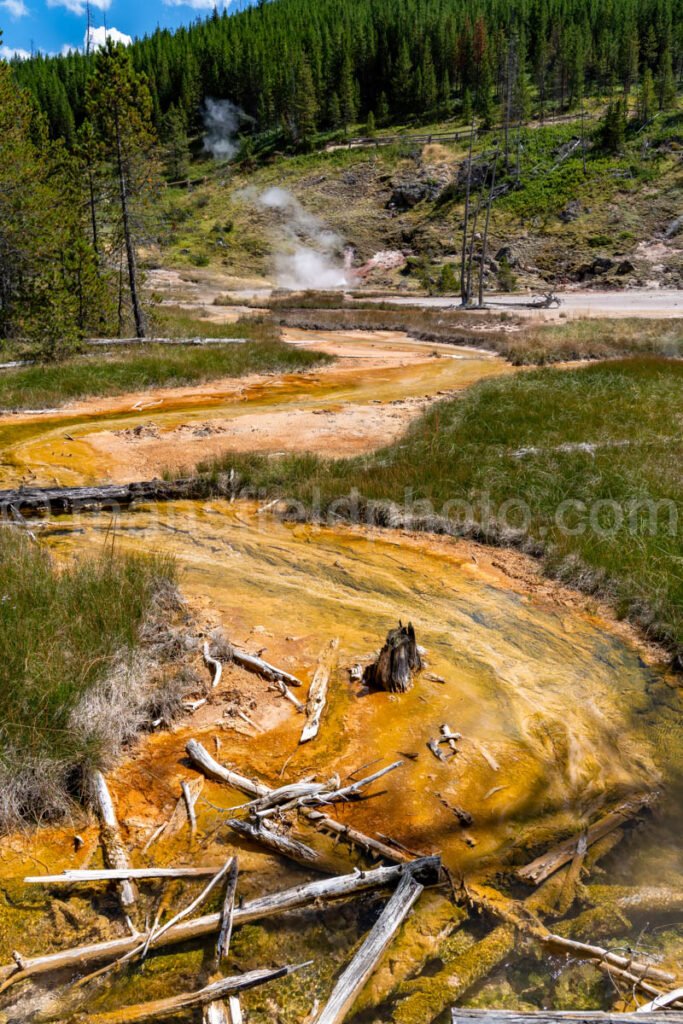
point(398, 661)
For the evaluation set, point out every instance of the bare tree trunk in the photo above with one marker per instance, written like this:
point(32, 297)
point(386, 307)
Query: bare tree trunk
point(128, 239)
point(471, 252)
point(463, 289)
point(485, 243)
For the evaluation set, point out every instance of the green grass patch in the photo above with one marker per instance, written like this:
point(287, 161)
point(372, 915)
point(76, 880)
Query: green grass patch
point(583, 464)
point(72, 692)
point(135, 368)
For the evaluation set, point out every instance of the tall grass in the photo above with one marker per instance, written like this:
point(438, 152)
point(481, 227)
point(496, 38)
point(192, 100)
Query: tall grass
point(512, 452)
point(135, 368)
point(72, 690)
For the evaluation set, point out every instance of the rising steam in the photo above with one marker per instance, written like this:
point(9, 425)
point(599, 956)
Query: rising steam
point(316, 255)
point(221, 124)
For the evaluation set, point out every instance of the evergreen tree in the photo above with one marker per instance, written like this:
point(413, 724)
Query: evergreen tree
point(305, 108)
point(647, 98)
point(666, 85)
point(176, 150)
point(614, 127)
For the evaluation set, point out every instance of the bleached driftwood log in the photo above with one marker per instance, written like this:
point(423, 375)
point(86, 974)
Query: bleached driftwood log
point(368, 956)
point(120, 875)
point(317, 694)
point(189, 806)
point(160, 1009)
point(217, 1012)
point(115, 853)
point(545, 865)
point(426, 870)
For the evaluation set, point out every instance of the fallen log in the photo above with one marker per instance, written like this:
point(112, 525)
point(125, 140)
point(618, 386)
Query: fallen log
point(32, 501)
point(668, 999)
point(648, 899)
point(466, 1016)
point(551, 861)
point(524, 919)
point(115, 853)
point(202, 760)
point(426, 870)
point(109, 342)
point(398, 660)
point(75, 877)
point(160, 1009)
point(317, 694)
point(368, 956)
point(277, 843)
point(227, 915)
point(217, 1012)
point(263, 668)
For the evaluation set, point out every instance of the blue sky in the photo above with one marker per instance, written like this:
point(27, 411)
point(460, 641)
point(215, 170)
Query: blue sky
point(51, 25)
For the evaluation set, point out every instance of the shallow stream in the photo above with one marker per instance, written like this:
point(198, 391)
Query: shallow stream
point(560, 712)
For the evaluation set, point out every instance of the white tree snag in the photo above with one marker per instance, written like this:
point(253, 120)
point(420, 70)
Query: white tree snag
point(235, 1010)
point(551, 861)
point(214, 666)
point(277, 843)
point(366, 959)
point(160, 1009)
point(317, 694)
point(115, 853)
point(203, 761)
point(262, 668)
point(426, 870)
point(137, 874)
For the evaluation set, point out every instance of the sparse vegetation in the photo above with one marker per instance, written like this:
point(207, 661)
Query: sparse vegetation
point(512, 453)
point(74, 679)
point(522, 343)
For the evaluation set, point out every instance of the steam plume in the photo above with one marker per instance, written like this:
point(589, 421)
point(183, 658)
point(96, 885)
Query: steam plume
point(315, 259)
point(221, 123)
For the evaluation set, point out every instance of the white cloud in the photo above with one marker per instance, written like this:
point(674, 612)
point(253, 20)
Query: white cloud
point(198, 5)
point(78, 6)
point(16, 8)
point(99, 36)
point(8, 53)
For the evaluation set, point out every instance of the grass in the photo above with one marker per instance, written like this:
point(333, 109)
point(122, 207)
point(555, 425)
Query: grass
point(530, 345)
point(122, 368)
point(72, 691)
point(471, 453)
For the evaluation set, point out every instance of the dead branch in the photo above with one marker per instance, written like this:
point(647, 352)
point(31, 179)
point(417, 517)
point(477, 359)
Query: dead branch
point(213, 665)
point(119, 875)
point(262, 668)
point(277, 843)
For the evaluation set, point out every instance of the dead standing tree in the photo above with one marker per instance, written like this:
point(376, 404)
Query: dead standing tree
point(120, 107)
